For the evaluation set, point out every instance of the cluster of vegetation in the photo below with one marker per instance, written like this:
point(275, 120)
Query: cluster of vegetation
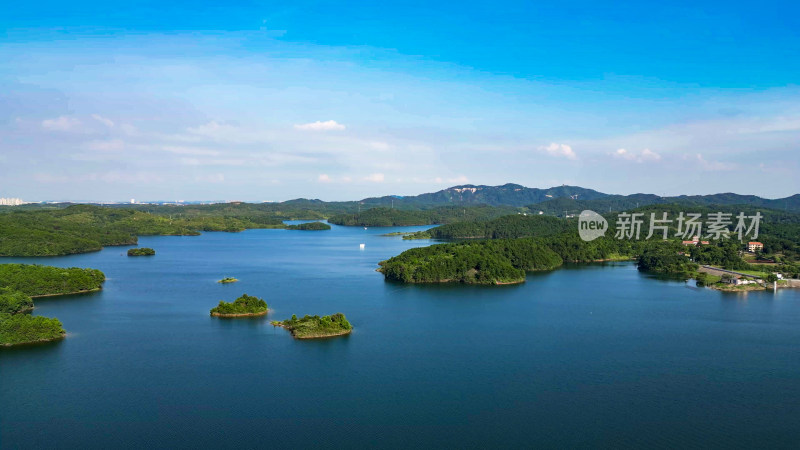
point(25, 329)
point(779, 232)
point(35, 280)
point(488, 262)
point(87, 228)
point(246, 305)
point(141, 251)
point(14, 302)
point(228, 280)
point(498, 261)
point(309, 226)
point(310, 327)
point(50, 230)
point(505, 227)
point(725, 254)
point(18, 282)
point(666, 259)
point(610, 203)
point(388, 217)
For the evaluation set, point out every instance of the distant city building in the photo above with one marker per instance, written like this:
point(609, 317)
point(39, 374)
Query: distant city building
point(11, 201)
point(133, 201)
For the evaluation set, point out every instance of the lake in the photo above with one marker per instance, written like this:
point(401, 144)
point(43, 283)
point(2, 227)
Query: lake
point(584, 356)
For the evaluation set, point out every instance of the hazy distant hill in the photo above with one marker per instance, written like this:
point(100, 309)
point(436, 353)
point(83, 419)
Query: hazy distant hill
point(468, 194)
point(612, 203)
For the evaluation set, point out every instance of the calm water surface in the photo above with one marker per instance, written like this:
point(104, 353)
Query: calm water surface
point(585, 356)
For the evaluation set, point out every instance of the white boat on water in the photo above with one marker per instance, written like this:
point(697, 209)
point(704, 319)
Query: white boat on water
point(361, 246)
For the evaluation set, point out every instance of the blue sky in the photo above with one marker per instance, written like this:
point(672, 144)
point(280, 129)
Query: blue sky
point(344, 100)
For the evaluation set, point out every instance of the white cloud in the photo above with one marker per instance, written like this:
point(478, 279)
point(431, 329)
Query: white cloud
point(105, 121)
point(324, 178)
point(713, 166)
point(643, 156)
point(63, 123)
point(329, 125)
point(377, 145)
point(560, 150)
point(375, 178)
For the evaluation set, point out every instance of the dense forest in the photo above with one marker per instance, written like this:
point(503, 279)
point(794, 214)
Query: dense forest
point(14, 302)
point(19, 282)
point(309, 226)
point(666, 259)
point(387, 217)
point(310, 327)
point(35, 280)
point(24, 329)
point(141, 251)
point(505, 227)
point(242, 306)
point(479, 262)
point(44, 230)
point(86, 228)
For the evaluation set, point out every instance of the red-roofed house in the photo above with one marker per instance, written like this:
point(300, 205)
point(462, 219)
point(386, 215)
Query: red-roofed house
point(755, 246)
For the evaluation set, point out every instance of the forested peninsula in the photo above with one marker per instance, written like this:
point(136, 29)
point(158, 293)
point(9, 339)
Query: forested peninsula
point(41, 281)
point(541, 243)
point(309, 226)
point(88, 228)
point(496, 261)
point(389, 217)
point(505, 227)
point(20, 282)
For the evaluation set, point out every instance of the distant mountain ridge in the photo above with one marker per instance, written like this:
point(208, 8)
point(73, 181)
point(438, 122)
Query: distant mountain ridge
point(612, 203)
point(469, 194)
point(567, 198)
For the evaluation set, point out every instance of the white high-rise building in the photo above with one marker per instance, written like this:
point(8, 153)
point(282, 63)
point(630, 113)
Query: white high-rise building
point(133, 201)
point(11, 201)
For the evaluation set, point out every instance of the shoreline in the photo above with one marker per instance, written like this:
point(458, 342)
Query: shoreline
point(87, 291)
point(234, 315)
point(503, 283)
point(321, 336)
point(38, 341)
point(740, 288)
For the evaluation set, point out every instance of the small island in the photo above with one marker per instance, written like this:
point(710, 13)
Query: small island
point(244, 306)
point(309, 226)
point(228, 280)
point(141, 251)
point(316, 327)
